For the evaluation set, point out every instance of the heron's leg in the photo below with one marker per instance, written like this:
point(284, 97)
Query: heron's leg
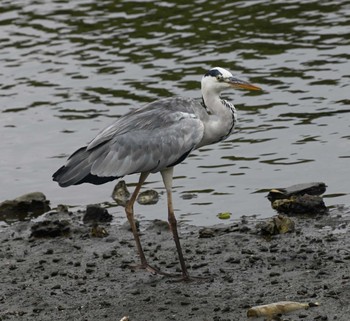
point(167, 175)
point(129, 209)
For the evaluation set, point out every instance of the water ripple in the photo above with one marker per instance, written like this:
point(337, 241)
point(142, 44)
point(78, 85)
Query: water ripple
point(69, 68)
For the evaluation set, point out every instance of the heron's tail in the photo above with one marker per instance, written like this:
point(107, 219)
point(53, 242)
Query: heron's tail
point(78, 171)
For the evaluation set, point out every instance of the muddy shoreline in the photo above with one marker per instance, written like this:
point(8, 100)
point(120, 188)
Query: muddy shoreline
point(78, 276)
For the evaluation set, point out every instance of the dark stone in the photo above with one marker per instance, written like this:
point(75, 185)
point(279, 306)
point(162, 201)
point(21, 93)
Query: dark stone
point(50, 229)
point(24, 208)
point(279, 224)
point(316, 188)
point(299, 199)
point(300, 204)
point(206, 233)
point(95, 213)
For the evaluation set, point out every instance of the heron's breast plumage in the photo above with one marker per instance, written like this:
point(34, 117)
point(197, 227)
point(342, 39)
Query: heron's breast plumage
point(219, 120)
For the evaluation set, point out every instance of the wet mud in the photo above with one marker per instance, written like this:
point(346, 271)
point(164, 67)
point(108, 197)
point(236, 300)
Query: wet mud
point(84, 275)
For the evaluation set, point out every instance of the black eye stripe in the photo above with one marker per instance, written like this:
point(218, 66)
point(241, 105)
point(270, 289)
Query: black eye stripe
point(213, 73)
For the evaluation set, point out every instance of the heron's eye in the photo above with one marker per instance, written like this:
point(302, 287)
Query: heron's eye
point(219, 77)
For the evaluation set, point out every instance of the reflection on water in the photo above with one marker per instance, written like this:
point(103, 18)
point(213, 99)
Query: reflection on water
point(70, 67)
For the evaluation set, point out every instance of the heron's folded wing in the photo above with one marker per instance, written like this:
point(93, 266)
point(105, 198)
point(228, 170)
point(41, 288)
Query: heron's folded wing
point(159, 114)
point(149, 139)
point(154, 145)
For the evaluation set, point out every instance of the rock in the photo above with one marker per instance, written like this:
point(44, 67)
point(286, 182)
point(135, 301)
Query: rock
point(316, 188)
point(206, 232)
point(279, 224)
point(299, 199)
point(300, 204)
point(95, 213)
point(62, 208)
point(148, 197)
point(50, 229)
point(98, 231)
point(121, 194)
point(24, 208)
point(159, 225)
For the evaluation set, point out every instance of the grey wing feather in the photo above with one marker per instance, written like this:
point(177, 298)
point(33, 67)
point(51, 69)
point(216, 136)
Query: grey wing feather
point(146, 140)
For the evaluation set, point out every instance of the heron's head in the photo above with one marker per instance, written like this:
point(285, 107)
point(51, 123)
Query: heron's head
point(218, 79)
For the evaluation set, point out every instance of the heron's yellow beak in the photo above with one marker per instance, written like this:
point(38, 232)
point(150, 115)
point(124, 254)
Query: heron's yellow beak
point(241, 84)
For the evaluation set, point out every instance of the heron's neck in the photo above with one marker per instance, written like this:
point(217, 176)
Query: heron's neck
point(212, 102)
point(216, 106)
point(220, 119)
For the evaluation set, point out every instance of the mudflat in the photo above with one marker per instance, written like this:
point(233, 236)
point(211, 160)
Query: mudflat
point(84, 272)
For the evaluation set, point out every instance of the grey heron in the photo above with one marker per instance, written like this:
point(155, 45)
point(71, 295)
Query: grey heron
point(153, 139)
